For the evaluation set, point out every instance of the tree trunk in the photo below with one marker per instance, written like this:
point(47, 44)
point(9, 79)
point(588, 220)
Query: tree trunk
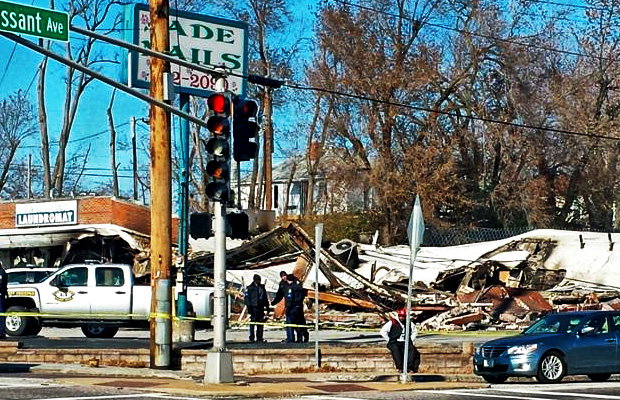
point(115, 190)
point(45, 147)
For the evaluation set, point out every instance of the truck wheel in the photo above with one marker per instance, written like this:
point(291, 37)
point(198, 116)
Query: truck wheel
point(35, 327)
point(16, 325)
point(99, 331)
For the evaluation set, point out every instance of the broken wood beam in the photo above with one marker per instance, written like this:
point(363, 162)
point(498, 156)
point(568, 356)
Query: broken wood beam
point(342, 300)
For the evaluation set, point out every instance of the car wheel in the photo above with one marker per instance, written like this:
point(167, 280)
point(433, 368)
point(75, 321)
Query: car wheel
point(99, 331)
point(599, 377)
point(17, 325)
point(495, 378)
point(551, 368)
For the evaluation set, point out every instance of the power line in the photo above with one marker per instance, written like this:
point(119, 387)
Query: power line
point(491, 37)
point(555, 3)
point(91, 136)
point(451, 114)
point(8, 63)
point(349, 95)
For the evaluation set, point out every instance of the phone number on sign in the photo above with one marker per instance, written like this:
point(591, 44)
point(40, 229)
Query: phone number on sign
point(196, 80)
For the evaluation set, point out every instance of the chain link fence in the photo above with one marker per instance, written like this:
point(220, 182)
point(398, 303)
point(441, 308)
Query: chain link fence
point(456, 236)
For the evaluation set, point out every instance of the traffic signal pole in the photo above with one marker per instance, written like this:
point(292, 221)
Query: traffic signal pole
point(219, 367)
point(183, 204)
point(161, 199)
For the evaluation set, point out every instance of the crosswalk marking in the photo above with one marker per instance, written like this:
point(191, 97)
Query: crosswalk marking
point(321, 397)
point(473, 394)
point(113, 397)
point(563, 394)
point(23, 385)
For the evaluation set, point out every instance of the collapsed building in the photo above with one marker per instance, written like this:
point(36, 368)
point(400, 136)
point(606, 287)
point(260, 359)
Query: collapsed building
point(505, 284)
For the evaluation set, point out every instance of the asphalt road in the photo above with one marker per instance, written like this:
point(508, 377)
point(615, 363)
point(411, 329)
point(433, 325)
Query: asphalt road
point(20, 388)
point(139, 338)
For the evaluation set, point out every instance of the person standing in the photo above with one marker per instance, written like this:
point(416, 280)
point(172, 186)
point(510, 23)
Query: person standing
point(257, 303)
point(3, 298)
point(394, 333)
point(282, 290)
point(295, 307)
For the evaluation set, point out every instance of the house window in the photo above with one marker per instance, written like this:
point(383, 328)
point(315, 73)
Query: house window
point(276, 196)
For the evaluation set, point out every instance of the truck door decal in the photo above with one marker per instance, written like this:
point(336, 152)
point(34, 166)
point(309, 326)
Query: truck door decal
point(63, 295)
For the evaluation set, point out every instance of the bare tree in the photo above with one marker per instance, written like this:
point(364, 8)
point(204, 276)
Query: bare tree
point(17, 123)
point(94, 15)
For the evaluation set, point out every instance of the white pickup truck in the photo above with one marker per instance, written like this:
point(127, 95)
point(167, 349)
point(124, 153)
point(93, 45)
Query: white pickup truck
point(97, 297)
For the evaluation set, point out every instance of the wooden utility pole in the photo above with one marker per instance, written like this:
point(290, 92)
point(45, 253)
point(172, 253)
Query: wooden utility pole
point(134, 160)
point(268, 150)
point(161, 198)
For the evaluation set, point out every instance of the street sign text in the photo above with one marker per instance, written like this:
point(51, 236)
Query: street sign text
point(34, 21)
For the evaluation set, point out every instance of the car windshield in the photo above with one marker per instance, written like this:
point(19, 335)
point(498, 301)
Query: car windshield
point(555, 324)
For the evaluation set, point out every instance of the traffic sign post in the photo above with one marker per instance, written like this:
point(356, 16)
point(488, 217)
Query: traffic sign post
point(34, 21)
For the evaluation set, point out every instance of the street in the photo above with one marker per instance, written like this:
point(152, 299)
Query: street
point(133, 337)
point(24, 388)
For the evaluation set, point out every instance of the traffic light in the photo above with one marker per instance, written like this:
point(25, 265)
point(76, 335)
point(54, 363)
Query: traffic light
point(200, 225)
point(245, 127)
point(238, 225)
point(219, 147)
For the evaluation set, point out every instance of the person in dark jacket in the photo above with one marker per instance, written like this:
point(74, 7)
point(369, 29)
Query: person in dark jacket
point(4, 294)
point(394, 332)
point(257, 303)
point(282, 289)
point(295, 307)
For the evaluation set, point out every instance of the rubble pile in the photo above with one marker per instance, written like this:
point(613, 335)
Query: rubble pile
point(502, 284)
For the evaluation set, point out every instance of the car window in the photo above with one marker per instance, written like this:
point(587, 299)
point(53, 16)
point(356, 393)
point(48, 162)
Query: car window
point(73, 277)
point(109, 276)
point(616, 321)
point(572, 325)
point(599, 323)
point(555, 324)
point(18, 277)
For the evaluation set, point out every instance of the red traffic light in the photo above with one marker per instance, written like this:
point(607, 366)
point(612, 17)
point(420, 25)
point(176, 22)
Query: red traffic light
point(218, 103)
point(246, 109)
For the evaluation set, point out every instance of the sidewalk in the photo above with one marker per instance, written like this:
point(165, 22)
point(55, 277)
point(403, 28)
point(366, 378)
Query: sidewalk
point(274, 385)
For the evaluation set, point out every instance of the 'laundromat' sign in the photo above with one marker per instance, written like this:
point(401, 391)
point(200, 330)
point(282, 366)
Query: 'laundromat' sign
point(46, 214)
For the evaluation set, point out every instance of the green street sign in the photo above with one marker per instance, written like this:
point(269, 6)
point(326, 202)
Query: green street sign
point(34, 21)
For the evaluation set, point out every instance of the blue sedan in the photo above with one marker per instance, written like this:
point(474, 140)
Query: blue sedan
point(559, 344)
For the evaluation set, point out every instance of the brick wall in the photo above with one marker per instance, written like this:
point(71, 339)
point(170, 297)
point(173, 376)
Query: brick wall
point(434, 359)
point(7, 215)
point(100, 210)
point(106, 210)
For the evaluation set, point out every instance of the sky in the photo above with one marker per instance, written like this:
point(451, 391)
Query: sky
point(18, 68)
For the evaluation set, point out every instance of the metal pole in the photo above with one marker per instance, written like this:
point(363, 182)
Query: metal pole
point(29, 186)
point(134, 146)
point(183, 203)
point(112, 82)
point(405, 375)
point(318, 237)
point(238, 176)
point(218, 367)
point(161, 199)
point(415, 231)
